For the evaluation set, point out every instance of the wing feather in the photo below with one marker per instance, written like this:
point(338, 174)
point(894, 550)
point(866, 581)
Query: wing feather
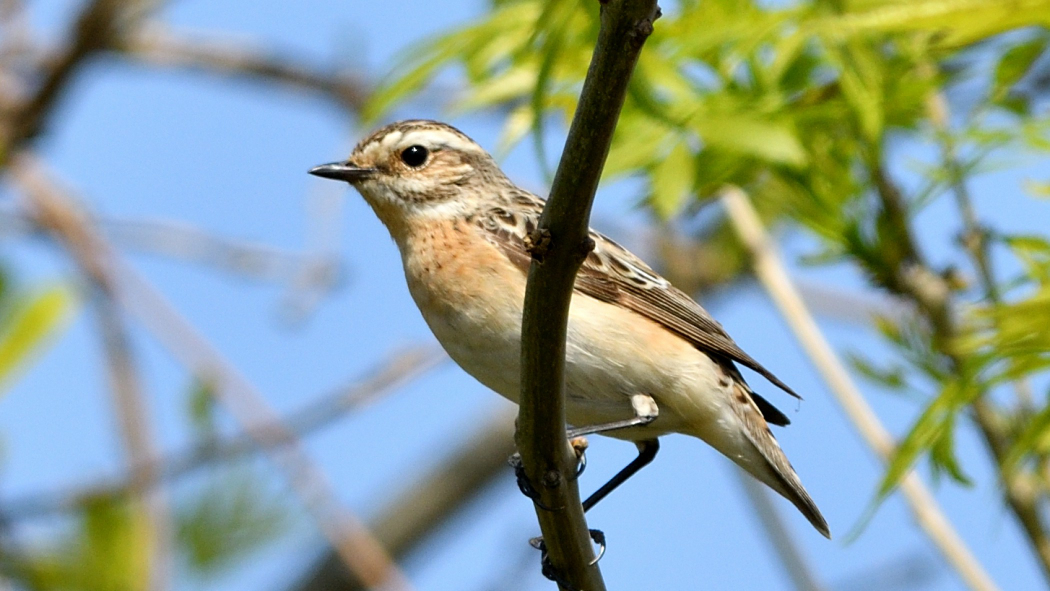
point(612, 274)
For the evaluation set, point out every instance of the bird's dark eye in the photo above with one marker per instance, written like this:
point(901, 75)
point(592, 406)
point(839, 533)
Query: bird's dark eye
point(414, 156)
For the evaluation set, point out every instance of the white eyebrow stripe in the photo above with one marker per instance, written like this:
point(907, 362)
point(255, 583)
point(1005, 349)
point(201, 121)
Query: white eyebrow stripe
point(390, 140)
point(435, 137)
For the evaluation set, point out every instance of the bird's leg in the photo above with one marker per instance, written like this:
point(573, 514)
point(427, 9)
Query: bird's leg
point(646, 452)
point(645, 412)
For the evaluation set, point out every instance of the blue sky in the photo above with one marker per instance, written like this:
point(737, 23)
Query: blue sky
point(231, 158)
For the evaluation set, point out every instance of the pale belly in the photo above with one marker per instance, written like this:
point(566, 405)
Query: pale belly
point(611, 353)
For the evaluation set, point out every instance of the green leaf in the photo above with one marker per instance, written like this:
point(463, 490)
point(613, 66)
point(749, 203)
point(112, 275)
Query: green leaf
point(766, 140)
point(638, 142)
point(1035, 438)
point(34, 318)
point(862, 79)
point(953, 23)
point(113, 546)
point(672, 181)
point(1015, 63)
point(229, 519)
point(933, 430)
point(500, 89)
point(202, 407)
point(1038, 189)
point(893, 378)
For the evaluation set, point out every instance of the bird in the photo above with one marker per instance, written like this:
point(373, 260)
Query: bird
point(641, 355)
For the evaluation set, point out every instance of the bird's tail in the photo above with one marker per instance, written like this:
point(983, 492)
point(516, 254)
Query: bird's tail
point(752, 446)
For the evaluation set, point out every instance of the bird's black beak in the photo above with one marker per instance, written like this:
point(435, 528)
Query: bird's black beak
point(342, 171)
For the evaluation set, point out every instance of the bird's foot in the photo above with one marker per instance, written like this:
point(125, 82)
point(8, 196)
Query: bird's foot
point(524, 485)
point(553, 573)
point(579, 447)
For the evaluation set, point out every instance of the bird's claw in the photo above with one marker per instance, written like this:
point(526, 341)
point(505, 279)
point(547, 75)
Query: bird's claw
point(552, 573)
point(579, 445)
point(599, 538)
point(523, 482)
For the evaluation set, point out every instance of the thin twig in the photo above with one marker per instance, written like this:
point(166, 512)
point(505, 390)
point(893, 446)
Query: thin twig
point(93, 31)
point(560, 245)
point(975, 242)
point(354, 543)
point(388, 376)
point(777, 533)
point(139, 441)
point(157, 46)
point(188, 243)
point(428, 503)
point(771, 271)
point(67, 225)
point(932, 295)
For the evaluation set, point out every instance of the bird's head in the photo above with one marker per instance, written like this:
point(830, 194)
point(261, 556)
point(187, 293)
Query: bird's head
point(415, 166)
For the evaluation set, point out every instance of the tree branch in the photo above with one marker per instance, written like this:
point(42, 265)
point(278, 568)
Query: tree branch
point(393, 373)
point(933, 297)
point(150, 505)
point(67, 225)
point(996, 432)
point(93, 31)
point(558, 247)
point(774, 277)
point(426, 504)
point(344, 531)
point(191, 244)
point(159, 47)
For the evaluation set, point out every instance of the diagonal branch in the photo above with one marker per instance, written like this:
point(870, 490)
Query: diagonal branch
point(995, 431)
point(191, 244)
point(67, 225)
point(932, 295)
point(425, 505)
point(154, 45)
point(558, 247)
point(354, 543)
point(393, 373)
point(139, 441)
point(780, 288)
point(94, 31)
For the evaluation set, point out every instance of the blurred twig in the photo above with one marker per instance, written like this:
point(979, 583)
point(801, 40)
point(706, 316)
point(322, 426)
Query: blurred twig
point(427, 503)
point(702, 264)
point(907, 571)
point(139, 441)
point(355, 545)
point(996, 432)
point(391, 374)
point(775, 279)
point(156, 45)
point(67, 225)
point(787, 550)
point(93, 31)
point(188, 243)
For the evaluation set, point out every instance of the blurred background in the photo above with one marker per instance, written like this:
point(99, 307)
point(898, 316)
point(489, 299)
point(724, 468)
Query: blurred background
point(213, 376)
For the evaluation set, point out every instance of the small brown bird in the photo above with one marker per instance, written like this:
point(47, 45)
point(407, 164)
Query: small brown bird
point(641, 354)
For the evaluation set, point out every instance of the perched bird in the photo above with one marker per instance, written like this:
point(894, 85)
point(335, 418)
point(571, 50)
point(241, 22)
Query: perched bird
point(641, 354)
